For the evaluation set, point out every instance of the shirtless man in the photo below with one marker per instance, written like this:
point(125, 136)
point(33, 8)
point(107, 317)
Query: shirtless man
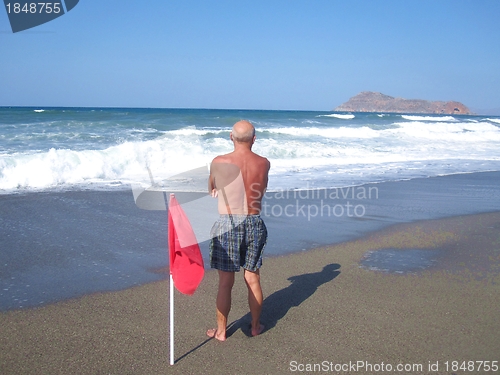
point(238, 180)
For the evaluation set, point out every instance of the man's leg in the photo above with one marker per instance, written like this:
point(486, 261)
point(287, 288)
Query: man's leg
point(255, 300)
point(223, 304)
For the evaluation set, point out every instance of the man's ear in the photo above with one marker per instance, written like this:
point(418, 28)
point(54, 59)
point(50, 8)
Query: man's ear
point(254, 138)
point(231, 136)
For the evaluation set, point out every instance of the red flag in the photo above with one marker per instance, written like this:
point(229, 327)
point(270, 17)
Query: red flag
point(186, 263)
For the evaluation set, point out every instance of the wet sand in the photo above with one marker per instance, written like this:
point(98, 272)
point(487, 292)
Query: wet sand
point(321, 311)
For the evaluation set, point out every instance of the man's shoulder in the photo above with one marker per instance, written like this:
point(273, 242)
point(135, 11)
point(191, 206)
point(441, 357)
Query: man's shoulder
point(260, 161)
point(222, 159)
point(231, 158)
point(263, 160)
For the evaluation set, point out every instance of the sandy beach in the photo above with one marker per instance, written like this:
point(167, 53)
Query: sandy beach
point(322, 312)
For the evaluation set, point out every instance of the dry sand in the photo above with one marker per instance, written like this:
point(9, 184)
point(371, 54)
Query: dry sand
point(320, 308)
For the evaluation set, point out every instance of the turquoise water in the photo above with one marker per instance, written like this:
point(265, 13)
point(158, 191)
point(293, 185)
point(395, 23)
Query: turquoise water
point(102, 148)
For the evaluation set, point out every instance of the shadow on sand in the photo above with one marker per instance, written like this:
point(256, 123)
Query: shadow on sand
point(277, 305)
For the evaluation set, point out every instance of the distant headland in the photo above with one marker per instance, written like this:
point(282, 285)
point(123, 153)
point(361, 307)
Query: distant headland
point(368, 101)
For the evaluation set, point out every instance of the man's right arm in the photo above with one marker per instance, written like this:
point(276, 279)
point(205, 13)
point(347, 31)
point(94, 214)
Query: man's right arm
point(212, 190)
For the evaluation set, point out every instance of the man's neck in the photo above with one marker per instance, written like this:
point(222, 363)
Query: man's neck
point(245, 147)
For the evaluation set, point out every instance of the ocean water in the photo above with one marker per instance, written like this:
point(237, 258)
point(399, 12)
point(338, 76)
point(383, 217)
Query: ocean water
point(102, 148)
point(85, 232)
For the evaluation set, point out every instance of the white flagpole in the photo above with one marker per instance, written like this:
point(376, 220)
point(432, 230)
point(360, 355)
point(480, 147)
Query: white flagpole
point(172, 360)
point(167, 205)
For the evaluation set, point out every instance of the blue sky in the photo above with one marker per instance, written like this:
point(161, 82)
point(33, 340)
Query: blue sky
point(291, 54)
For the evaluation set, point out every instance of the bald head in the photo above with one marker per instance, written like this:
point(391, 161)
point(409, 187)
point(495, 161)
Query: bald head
point(243, 132)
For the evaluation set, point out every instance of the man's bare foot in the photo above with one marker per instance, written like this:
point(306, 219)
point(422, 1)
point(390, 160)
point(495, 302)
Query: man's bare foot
point(212, 332)
point(258, 331)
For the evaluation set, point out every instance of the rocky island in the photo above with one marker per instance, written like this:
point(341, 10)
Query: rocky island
point(368, 101)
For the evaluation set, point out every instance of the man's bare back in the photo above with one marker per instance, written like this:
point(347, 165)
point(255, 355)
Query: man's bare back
point(239, 178)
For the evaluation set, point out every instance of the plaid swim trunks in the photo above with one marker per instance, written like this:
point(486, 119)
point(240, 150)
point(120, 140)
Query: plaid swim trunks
point(237, 241)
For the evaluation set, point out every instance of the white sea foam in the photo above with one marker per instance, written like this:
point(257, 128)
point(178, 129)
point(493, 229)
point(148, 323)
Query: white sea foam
point(340, 132)
point(302, 150)
point(192, 130)
point(39, 110)
point(126, 162)
point(428, 118)
point(297, 155)
point(462, 133)
point(338, 115)
point(495, 120)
